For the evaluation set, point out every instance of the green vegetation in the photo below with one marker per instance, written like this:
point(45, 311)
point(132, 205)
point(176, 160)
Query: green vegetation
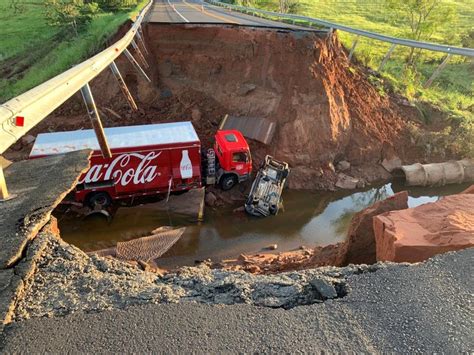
point(38, 43)
point(448, 22)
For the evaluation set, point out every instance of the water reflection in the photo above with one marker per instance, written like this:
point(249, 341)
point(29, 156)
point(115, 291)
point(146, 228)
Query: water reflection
point(308, 218)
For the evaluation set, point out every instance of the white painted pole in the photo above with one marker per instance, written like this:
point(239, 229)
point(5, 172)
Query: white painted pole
point(3, 186)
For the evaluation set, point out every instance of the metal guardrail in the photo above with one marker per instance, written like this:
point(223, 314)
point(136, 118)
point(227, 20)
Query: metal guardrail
point(34, 105)
point(467, 52)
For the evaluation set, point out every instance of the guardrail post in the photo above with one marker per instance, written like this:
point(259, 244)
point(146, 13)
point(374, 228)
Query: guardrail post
point(330, 34)
point(136, 65)
point(95, 120)
point(123, 86)
point(139, 53)
point(387, 56)
point(4, 196)
point(354, 44)
point(142, 41)
point(436, 72)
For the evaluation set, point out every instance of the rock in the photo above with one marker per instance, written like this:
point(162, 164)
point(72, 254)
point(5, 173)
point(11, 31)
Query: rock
point(210, 199)
point(331, 167)
point(361, 183)
point(246, 89)
point(165, 94)
point(332, 254)
point(325, 289)
point(196, 114)
point(271, 247)
point(28, 139)
point(215, 70)
point(392, 164)
point(242, 257)
point(343, 165)
point(360, 241)
point(416, 234)
point(347, 182)
point(469, 190)
point(254, 269)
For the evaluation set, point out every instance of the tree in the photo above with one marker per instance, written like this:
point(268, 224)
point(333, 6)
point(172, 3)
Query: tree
point(70, 15)
point(246, 3)
point(115, 5)
point(288, 6)
point(423, 17)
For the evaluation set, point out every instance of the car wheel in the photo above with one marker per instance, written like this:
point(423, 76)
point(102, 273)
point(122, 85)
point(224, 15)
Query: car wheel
point(228, 182)
point(99, 199)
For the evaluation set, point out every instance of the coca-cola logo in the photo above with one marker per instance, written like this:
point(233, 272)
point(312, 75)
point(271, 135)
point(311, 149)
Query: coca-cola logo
point(141, 173)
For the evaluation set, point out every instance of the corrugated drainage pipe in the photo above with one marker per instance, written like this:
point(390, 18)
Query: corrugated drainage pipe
point(451, 172)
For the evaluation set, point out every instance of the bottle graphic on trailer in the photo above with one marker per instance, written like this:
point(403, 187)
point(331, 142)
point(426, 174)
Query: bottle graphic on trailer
point(185, 166)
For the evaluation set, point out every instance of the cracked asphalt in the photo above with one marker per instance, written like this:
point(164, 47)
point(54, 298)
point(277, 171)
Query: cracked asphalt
point(423, 308)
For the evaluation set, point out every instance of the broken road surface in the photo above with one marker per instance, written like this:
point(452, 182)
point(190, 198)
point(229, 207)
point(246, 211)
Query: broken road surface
point(391, 310)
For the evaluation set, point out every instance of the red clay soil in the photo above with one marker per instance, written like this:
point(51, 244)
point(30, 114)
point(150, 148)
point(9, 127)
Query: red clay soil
point(416, 234)
point(360, 241)
point(325, 108)
point(268, 263)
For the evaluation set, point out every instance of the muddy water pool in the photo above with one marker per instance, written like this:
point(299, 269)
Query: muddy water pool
point(309, 218)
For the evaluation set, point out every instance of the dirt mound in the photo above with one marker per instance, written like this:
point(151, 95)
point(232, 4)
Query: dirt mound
point(325, 109)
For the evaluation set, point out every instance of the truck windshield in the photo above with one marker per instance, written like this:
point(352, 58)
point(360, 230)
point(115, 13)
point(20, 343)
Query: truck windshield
point(239, 157)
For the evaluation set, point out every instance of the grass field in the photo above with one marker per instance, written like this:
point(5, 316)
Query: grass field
point(32, 52)
point(453, 90)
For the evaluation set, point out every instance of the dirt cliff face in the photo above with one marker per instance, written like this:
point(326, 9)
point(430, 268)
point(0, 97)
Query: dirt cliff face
point(325, 108)
point(302, 80)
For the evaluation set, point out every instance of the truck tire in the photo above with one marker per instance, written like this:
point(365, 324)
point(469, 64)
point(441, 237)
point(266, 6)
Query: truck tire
point(228, 181)
point(101, 199)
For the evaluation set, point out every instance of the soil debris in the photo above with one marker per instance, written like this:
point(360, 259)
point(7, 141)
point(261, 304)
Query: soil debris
point(67, 280)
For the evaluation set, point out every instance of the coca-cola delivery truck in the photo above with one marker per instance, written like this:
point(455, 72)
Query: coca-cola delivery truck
point(150, 159)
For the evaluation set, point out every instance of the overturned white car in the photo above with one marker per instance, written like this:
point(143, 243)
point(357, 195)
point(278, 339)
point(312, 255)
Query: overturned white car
point(265, 196)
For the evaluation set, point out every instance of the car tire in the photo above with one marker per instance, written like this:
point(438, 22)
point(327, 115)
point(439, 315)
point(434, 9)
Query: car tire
point(228, 182)
point(101, 199)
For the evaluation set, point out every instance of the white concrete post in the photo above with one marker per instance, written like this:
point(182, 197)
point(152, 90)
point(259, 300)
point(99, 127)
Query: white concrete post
point(3, 187)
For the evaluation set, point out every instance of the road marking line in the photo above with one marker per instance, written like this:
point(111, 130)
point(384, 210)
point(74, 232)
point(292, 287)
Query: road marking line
point(208, 13)
point(174, 8)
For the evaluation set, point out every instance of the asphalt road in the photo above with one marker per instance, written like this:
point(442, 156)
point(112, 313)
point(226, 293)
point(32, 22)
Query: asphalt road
point(196, 11)
point(417, 309)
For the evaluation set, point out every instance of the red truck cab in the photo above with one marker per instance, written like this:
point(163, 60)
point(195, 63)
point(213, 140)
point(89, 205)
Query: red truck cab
point(233, 157)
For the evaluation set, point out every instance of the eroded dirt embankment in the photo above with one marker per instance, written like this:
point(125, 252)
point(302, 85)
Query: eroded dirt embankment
point(325, 109)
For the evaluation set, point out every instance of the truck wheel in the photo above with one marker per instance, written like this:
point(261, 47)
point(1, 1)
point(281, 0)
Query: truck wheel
point(101, 199)
point(228, 182)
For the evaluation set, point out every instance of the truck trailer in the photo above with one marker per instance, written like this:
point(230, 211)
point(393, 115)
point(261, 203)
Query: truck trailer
point(149, 160)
